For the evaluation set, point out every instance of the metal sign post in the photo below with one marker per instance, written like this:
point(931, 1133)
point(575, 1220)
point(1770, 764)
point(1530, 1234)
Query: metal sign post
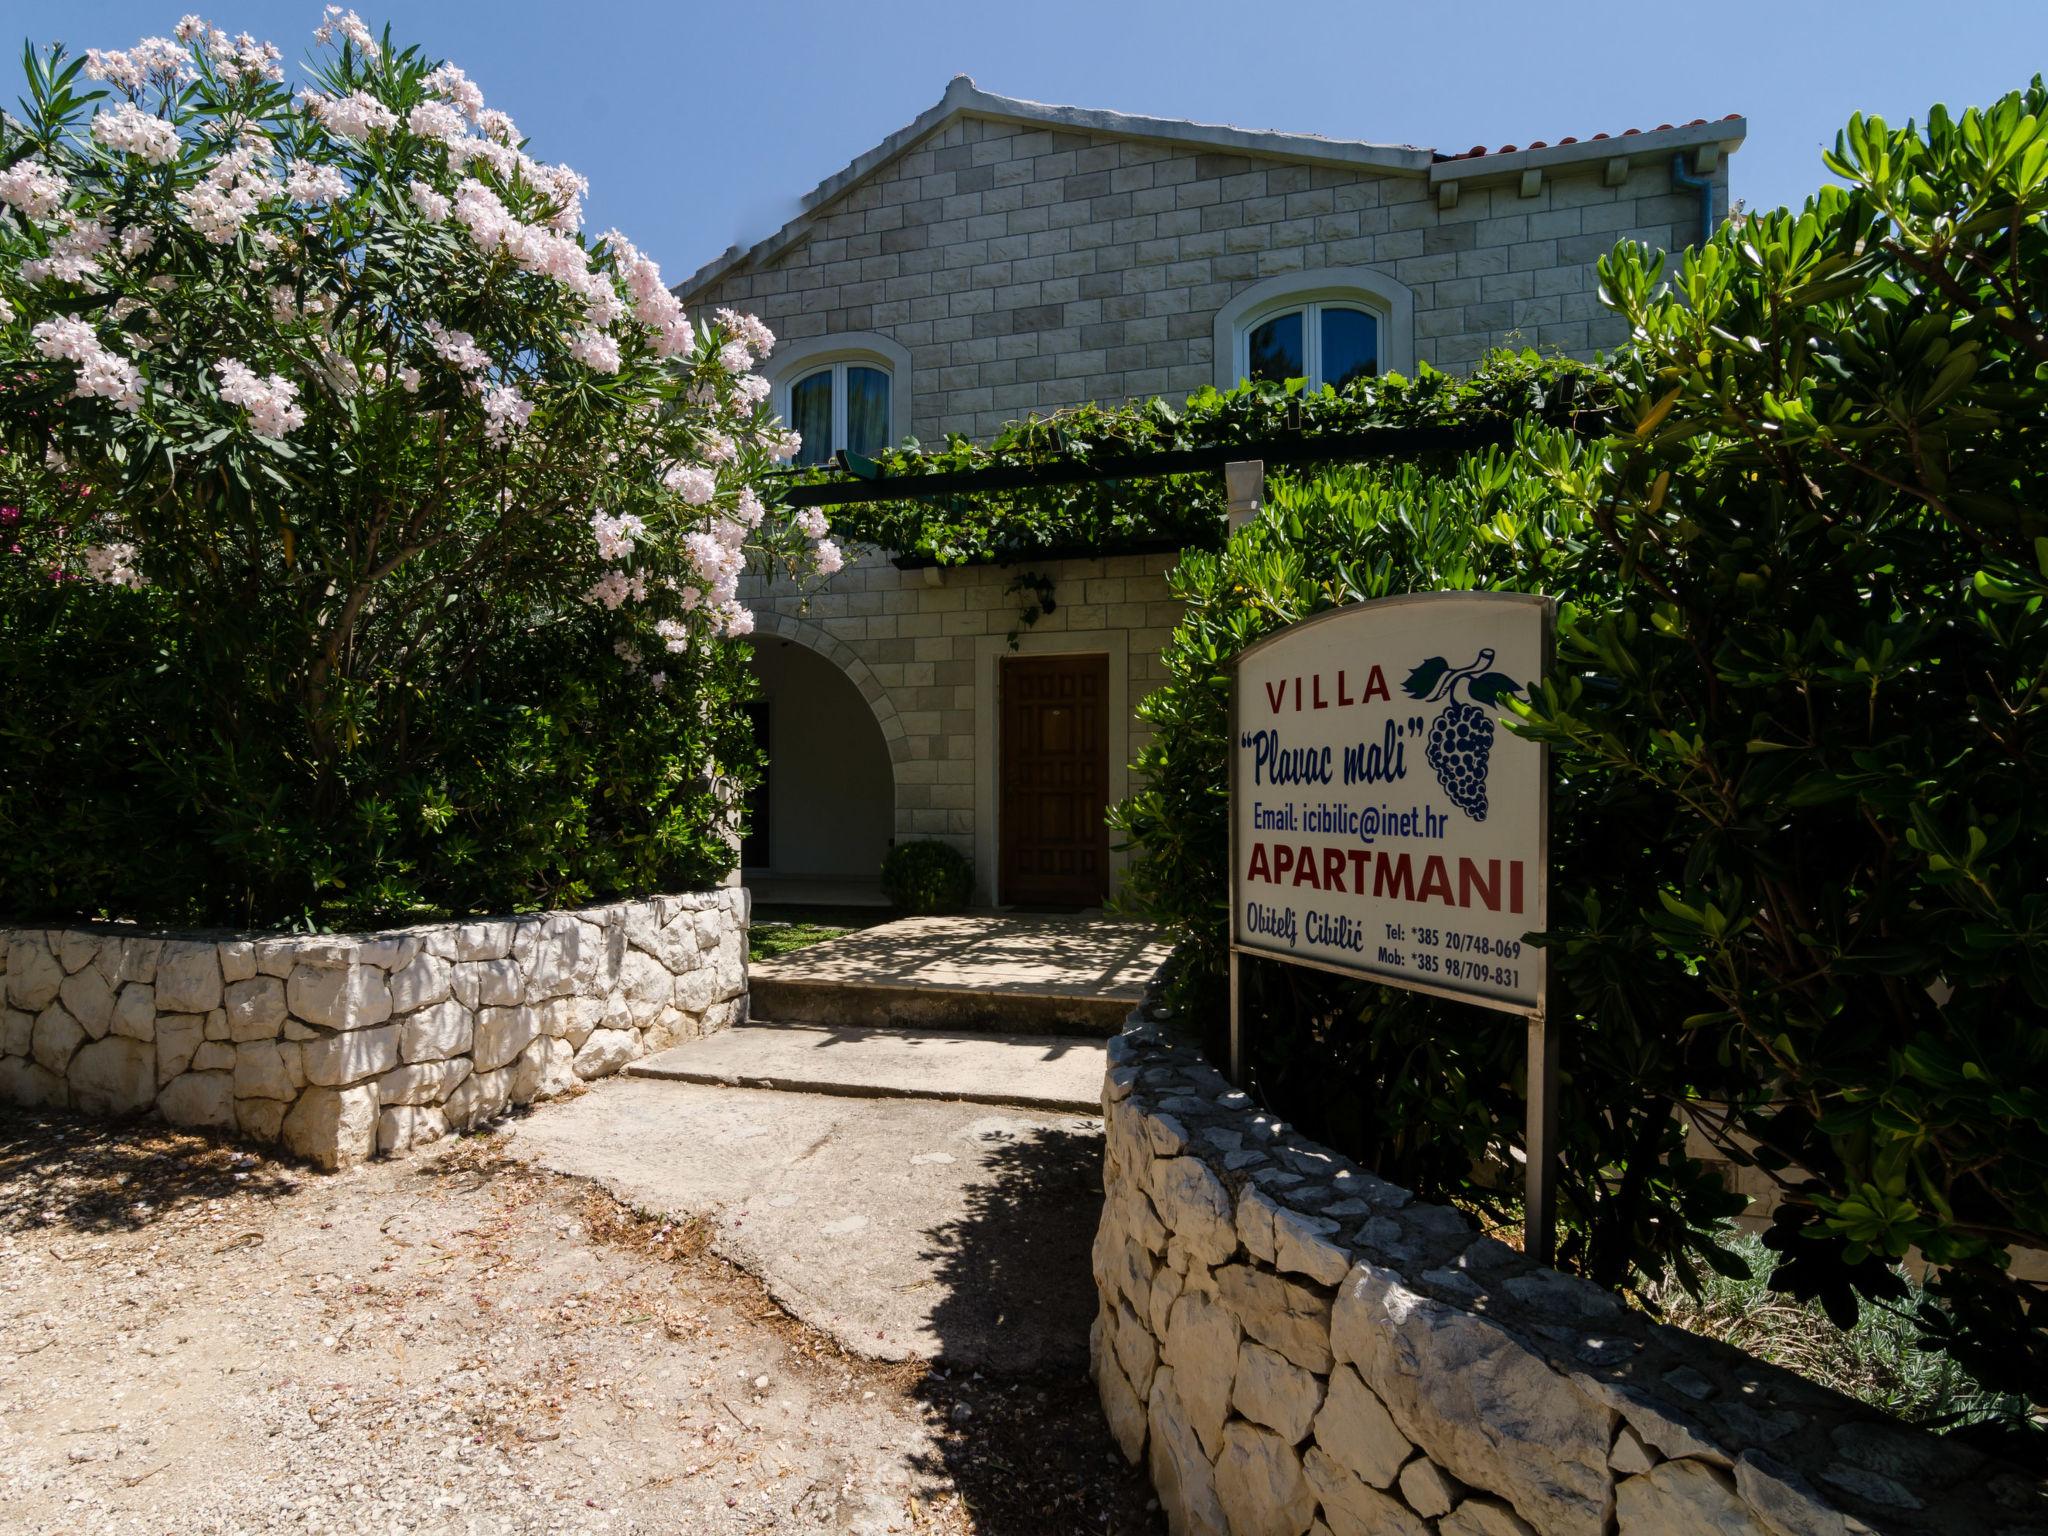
point(1384, 826)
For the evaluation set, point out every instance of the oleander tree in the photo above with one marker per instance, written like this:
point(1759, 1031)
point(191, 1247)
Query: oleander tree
point(330, 385)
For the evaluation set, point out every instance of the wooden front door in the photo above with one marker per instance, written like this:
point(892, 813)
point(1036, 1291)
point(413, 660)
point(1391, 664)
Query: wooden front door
point(1055, 780)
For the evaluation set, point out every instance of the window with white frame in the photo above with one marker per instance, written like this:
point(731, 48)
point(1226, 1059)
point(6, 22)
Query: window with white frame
point(842, 404)
point(1327, 341)
point(1333, 325)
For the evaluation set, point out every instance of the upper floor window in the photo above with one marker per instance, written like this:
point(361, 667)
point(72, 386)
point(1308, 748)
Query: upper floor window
point(1333, 326)
point(841, 405)
point(1329, 342)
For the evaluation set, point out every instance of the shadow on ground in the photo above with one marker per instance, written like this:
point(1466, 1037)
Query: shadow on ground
point(57, 1170)
point(1030, 1452)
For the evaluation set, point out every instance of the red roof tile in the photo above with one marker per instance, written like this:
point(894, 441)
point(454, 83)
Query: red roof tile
point(1478, 151)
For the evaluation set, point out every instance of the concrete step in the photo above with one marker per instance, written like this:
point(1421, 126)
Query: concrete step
point(815, 1000)
point(1034, 1071)
point(974, 971)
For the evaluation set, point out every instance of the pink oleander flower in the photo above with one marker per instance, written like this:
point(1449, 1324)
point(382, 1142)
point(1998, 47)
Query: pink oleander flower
point(350, 28)
point(458, 349)
point(506, 410)
point(828, 557)
point(271, 400)
point(127, 129)
point(478, 209)
point(498, 126)
point(748, 511)
point(673, 634)
point(239, 59)
point(627, 652)
point(310, 183)
point(136, 240)
point(608, 591)
point(749, 331)
point(409, 379)
point(430, 203)
point(595, 351)
point(65, 339)
point(786, 446)
point(615, 535)
point(74, 255)
point(113, 565)
point(228, 195)
point(718, 562)
point(812, 522)
point(454, 87)
point(33, 189)
point(734, 620)
point(155, 61)
point(751, 387)
point(653, 305)
point(719, 449)
point(734, 357)
point(437, 120)
point(657, 681)
point(102, 374)
point(354, 116)
point(6, 311)
point(694, 483)
point(562, 187)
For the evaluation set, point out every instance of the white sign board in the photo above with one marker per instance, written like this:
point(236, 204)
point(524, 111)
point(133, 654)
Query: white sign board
point(1384, 824)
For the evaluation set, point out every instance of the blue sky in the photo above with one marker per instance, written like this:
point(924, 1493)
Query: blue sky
point(699, 125)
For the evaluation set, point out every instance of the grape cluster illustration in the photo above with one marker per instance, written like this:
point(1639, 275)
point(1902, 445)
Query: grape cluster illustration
point(1461, 736)
point(1460, 741)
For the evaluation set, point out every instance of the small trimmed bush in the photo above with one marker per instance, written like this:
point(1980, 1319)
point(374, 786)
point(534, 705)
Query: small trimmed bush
point(926, 877)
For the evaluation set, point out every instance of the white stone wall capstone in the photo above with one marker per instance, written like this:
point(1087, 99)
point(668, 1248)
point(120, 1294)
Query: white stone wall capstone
point(346, 1046)
point(1294, 1347)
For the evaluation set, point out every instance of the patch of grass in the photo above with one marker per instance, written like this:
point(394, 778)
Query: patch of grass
point(1875, 1361)
point(780, 930)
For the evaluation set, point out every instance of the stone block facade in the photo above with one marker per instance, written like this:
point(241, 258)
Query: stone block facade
point(1027, 258)
point(999, 258)
point(1295, 1347)
point(924, 647)
point(343, 1046)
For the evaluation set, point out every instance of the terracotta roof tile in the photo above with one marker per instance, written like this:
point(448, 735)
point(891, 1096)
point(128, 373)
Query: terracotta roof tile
point(1479, 151)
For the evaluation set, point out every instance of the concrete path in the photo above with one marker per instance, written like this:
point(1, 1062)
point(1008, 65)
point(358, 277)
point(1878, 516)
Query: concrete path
point(905, 1228)
point(1031, 1071)
point(982, 970)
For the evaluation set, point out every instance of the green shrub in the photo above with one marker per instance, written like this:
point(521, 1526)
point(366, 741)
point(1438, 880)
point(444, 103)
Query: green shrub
point(1800, 727)
point(927, 876)
point(1828, 682)
point(1422, 1091)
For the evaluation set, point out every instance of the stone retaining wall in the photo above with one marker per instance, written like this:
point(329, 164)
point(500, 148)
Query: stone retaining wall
point(342, 1046)
point(1295, 1346)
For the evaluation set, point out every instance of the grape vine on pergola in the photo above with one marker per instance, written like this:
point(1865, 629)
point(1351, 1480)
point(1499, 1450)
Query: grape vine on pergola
point(1139, 477)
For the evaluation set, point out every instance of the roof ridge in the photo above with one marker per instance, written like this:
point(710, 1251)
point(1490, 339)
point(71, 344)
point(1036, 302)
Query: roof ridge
point(962, 97)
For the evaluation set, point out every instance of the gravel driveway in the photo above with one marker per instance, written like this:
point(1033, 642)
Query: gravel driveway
point(195, 1337)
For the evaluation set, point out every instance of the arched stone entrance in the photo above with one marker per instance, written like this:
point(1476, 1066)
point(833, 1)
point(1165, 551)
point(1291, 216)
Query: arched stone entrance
point(827, 807)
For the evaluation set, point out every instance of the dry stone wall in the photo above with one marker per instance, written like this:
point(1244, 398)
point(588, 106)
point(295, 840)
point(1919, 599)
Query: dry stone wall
point(345, 1046)
point(1294, 1346)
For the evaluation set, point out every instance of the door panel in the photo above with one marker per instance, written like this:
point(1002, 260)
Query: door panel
point(1055, 779)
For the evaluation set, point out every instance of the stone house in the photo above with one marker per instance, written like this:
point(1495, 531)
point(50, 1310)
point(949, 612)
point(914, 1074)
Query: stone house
point(1000, 257)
